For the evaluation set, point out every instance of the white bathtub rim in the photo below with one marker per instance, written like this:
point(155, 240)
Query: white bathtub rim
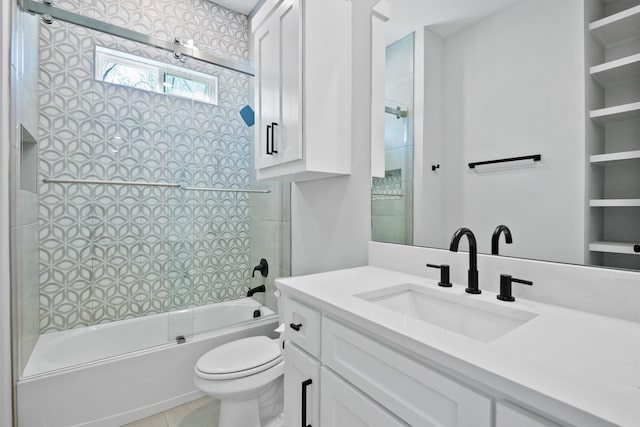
point(192, 339)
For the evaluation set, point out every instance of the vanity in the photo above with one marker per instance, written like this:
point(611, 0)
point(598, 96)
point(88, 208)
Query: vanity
point(381, 345)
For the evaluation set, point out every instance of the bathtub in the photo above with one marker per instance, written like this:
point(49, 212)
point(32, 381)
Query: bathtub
point(115, 373)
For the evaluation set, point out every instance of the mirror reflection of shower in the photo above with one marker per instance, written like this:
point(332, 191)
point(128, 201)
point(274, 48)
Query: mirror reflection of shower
point(392, 196)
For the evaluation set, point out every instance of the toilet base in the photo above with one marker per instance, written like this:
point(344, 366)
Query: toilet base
point(245, 413)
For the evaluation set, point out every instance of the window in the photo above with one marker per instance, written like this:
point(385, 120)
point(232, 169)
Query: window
point(124, 69)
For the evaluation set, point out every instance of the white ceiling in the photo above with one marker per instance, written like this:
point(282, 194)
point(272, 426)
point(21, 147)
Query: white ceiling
point(242, 6)
point(443, 17)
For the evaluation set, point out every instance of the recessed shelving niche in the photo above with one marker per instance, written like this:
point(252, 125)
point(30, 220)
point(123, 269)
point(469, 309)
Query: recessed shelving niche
point(613, 142)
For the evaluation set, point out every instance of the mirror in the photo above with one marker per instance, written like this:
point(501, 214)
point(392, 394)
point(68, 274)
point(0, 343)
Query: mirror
point(471, 82)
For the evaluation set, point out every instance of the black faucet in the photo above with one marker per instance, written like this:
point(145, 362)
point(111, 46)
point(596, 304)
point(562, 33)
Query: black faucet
point(496, 237)
point(263, 268)
point(472, 286)
point(252, 291)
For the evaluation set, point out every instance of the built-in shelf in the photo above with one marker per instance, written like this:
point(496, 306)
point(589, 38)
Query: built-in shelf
point(615, 157)
point(619, 112)
point(617, 71)
point(618, 27)
point(615, 247)
point(621, 203)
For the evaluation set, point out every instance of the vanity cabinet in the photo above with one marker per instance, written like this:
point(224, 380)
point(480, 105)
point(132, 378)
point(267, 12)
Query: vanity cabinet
point(509, 415)
point(363, 382)
point(302, 127)
point(417, 394)
point(343, 405)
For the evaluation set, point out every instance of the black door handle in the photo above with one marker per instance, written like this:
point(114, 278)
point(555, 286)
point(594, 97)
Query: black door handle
point(305, 383)
point(273, 140)
point(295, 327)
point(269, 152)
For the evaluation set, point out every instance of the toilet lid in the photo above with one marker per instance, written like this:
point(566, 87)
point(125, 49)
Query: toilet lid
point(239, 358)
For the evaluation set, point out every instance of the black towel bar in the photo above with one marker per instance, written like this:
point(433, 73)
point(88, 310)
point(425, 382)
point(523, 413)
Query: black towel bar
point(534, 157)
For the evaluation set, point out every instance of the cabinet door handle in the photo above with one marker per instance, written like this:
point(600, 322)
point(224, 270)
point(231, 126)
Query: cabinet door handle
point(269, 130)
point(273, 139)
point(305, 383)
point(295, 327)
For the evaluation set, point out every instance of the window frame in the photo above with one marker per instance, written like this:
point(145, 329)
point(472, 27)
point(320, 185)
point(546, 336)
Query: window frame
point(160, 69)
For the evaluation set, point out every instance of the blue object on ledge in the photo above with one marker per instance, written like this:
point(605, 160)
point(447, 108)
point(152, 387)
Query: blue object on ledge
point(247, 115)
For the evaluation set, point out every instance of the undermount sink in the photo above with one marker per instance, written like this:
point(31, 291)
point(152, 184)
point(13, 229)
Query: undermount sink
point(459, 313)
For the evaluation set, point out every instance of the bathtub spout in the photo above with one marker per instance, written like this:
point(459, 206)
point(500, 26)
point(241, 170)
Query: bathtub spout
point(257, 289)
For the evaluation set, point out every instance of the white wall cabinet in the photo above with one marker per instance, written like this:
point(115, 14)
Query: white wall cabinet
point(303, 81)
point(279, 121)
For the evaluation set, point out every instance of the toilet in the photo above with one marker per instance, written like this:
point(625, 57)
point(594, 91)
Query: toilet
point(237, 374)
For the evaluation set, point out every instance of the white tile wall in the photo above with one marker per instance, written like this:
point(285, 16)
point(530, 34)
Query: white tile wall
point(110, 253)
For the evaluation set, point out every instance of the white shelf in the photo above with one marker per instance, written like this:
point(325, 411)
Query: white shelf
point(618, 27)
point(606, 203)
point(619, 112)
point(614, 157)
point(614, 247)
point(617, 71)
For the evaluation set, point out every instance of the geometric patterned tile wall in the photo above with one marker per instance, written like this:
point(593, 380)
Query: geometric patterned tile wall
point(114, 252)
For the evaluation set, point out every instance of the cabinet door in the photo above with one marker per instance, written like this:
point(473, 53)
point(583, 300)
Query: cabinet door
point(266, 41)
point(278, 87)
point(414, 392)
point(343, 406)
point(301, 388)
point(287, 142)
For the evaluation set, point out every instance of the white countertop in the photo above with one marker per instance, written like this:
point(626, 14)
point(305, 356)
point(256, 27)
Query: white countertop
point(581, 360)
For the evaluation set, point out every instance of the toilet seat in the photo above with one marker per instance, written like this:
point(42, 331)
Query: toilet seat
point(237, 359)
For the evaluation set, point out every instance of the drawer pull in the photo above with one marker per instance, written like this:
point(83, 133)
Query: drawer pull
point(295, 327)
point(305, 383)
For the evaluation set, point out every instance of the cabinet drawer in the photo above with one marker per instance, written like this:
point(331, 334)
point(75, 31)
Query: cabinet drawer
point(413, 392)
point(302, 326)
point(509, 415)
point(343, 406)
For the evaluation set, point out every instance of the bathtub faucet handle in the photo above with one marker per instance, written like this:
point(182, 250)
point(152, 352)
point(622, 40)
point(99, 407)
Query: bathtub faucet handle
point(263, 268)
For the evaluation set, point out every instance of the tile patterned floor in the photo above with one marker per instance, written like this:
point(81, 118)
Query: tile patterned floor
point(198, 413)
